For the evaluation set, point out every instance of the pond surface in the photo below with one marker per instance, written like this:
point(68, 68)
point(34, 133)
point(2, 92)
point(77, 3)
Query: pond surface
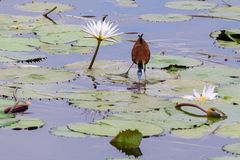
point(190, 38)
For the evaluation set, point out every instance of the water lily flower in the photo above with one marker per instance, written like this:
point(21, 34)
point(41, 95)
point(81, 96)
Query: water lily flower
point(207, 94)
point(101, 30)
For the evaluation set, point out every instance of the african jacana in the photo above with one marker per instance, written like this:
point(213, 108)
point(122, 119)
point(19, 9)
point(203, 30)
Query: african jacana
point(140, 56)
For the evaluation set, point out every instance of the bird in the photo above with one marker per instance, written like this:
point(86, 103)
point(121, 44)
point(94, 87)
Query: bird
point(140, 56)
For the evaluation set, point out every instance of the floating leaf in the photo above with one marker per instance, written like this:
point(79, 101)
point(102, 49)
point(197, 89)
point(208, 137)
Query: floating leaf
point(19, 44)
point(7, 122)
point(42, 7)
point(63, 131)
point(127, 3)
point(65, 49)
point(229, 130)
point(113, 127)
point(127, 139)
point(27, 123)
point(224, 158)
point(159, 61)
point(227, 38)
point(191, 133)
point(20, 57)
point(35, 75)
point(121, 101)
point(190, 5)
point(165, 17)
point(114, 70)
point(232, 148)
point(230, 93)
point(228, 12)
point(219, 74)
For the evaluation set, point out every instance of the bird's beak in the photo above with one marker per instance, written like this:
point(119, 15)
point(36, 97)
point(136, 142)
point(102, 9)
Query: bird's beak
point(139, 74)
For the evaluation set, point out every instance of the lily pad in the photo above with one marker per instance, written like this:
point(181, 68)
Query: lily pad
point(43, 6)
point(35, 75)
point(65, 49)
point(232, 148)
point(226, 38)
point(230, 93)
point(190, 5)
point(191, 133)
point(218, 74)
point(63, 131)
point(7, 121)
point(229, 130)
point(127, 139)
point(165, 17)
point(224, 158)
point(121, 101)
point(20, 57)
point(113, 127)
point(228, 12)
point(162, 62)
point(113, 70)
point(126, 3)
point(19, 44)
point(27, 123)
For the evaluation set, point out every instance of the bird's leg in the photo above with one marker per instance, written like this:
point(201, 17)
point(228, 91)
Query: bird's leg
point(144, 69)
point(126, 73)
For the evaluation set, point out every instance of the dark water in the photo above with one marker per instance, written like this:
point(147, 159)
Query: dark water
point(183, 38)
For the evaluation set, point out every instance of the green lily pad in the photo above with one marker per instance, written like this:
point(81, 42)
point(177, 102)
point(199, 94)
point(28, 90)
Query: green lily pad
point(159, 61)
point(19, 44)
point(217, 74)
point(65, 49)
point(191, 133)
point(224, 158)
point(44, 30)
point(230, 93)
point(174, 88)
point(63, 131)
point(226, 38)
point(127, 139)
point(43, 6)
point(229, 130)
point(20, 57)
point(13, 19)
point(123, 159)
point(113, 70)
point(7, 121)
point(27, 123)
point(228, 12)
point(126, 3)
point(62, 34)
point(165, 17)
point(35, 75)
point(190, 5)
point(121, 101)
point(113, 127)
point(232, 148)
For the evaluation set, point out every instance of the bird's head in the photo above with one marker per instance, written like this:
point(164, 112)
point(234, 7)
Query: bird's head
point(139, 74)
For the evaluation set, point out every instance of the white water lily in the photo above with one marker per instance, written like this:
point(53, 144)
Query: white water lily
point(102, 30)
point(207, 94)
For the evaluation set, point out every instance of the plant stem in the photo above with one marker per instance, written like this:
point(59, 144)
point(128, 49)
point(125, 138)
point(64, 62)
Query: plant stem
point(95, 54)
point(190, 105)
point(208, 16)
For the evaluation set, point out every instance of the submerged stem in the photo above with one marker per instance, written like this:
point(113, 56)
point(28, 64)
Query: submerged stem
point(95, 54)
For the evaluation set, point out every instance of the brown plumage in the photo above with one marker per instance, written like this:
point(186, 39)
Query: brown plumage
point(140, 52)
point(141, 55)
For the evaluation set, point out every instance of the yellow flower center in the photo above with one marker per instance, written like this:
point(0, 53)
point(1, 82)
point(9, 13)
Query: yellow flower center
point(202, 98)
